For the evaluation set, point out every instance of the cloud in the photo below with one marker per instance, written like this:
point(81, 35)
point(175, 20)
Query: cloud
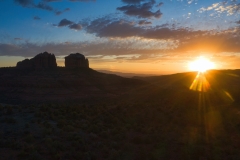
point(60, 12)
point(190, 1)
point(170, 33)
point(114, 28)
point(18, 39)
point(185, 39)
point(213, 42)
point(104, 27)
point(144, 22)
point(118, 47)
point(64, 22)
point(41, 5)
point(230, 8)
point(44, 6)
point(25, 3)
point(75, 26)
point(142, 10)
point(70, 24)
point(36, 18)
point(183, 42)
point(159, 4)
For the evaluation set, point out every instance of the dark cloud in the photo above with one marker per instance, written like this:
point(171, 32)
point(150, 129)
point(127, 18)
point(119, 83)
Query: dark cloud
point(30, 3)
point(159, 4)
point(64, 22)
point(238, 22)
point(41, 5)
point(143, 10)
point(106, 28)
point(166, 33)
point(44, 6)
point(144, 22)
point(67, 9)
point(18, 39)
point(25, 3)
point(96, 25)
point(75, 26)
point(185, 39)
point(60, 12)
point(36, 18)
point(132, 1)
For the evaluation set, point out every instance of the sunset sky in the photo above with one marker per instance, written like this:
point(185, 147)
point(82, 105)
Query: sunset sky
point(137, 36)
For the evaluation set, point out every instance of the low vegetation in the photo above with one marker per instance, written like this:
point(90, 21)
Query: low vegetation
point(120, 131)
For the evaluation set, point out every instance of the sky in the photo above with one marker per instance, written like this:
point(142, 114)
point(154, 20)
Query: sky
point(132, 36)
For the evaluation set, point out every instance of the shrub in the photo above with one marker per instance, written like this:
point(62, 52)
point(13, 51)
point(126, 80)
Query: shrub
point(48, 141)
point(22, 154)
point(29, 138)
point(35, 155)
point(10, 120)
point(19, 109)
point(47, 131)
point(47, 124)
point(1, 107)
point(9, 110)
point(68, 128)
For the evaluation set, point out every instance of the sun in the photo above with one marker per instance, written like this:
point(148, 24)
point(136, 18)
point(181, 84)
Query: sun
point(201, 64)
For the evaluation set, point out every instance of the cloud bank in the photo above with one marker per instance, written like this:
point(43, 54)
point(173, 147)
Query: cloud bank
point(140, 10)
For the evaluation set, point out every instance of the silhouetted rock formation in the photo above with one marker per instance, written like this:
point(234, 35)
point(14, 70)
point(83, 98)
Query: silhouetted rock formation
point(41, 61)
point(25, 64)
point(76, 60)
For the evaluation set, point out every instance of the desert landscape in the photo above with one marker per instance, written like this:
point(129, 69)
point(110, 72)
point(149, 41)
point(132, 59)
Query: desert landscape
point(120, 80)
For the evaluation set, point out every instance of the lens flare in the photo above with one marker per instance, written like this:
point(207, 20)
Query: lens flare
point(201, 64)
point(200, 83)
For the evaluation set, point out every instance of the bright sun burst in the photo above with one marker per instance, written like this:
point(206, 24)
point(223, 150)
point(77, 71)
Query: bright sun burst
point(201, 64)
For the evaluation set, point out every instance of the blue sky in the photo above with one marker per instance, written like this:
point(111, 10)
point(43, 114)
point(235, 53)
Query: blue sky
point(159, 36)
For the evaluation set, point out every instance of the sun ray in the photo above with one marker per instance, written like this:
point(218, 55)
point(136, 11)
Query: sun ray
point(200, 83)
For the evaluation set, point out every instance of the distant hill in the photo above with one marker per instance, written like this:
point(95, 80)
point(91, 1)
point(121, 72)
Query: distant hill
point(61, 85)
point(224, 86)
point(78, 85)
point(129, 75)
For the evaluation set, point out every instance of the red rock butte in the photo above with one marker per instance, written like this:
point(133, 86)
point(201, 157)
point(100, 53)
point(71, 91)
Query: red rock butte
point(41, 61)
point(48, 61)
point(76, 60)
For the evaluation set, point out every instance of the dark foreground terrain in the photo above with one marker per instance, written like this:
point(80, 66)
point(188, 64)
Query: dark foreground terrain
point(51, 117)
